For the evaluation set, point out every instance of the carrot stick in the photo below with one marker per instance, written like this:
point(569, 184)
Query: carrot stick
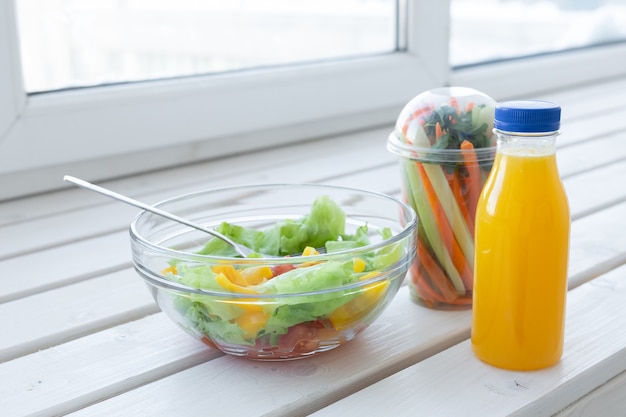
point(463, 268)
point(455, 104)
point(424, 288)
point(474, 180)
point(437, 276)
point(440, 284)
point(469, 107)
point(417, 113)
point(420, 112)
point(455, 186)
point(426, 294)
point(445, 230)
point(442, 223)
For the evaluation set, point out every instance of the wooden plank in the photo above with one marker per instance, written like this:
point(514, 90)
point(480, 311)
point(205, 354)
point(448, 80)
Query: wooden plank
point(246, 167)
point(55, 316)
point(77, 373)
point(597, 244)
point(48, 232)
point(607, 400)
point(65, 265)
point(597, 189)
point(384, 179)
point(586, 129)
point(450, 382)
point(585, 156)
point(590, 111)
point(589, 101)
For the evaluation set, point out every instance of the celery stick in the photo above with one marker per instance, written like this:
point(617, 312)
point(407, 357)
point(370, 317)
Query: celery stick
point(417, 196)
point(476, 116)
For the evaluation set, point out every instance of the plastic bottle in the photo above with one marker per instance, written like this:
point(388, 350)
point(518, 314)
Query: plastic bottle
point(522, 243)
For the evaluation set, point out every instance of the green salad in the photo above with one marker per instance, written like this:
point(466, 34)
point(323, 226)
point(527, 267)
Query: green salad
point(291, 324)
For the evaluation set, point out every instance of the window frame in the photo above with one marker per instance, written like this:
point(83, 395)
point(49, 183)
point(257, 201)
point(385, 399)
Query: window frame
point(111, 131)
point(540, 74)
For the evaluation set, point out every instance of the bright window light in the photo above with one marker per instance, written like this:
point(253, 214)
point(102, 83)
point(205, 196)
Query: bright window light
point(77, 43)
point(492, 30)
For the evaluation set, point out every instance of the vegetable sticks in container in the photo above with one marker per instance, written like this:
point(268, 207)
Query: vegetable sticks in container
point(446, 146)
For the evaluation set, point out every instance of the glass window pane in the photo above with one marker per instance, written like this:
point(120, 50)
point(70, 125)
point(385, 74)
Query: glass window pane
point(72, 43)
point(491, 30)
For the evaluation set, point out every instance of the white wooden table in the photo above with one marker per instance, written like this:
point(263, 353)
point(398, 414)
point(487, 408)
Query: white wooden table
point(80, 334)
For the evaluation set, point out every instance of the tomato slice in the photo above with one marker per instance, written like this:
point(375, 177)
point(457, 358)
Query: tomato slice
point(281, 269)
point(305, 337)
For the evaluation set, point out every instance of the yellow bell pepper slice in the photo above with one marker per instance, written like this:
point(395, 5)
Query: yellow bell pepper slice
point(170, 270)
point(358, 265)
point(246, 304)
point(251, 322)
point(356, 309)
point(308, 251)
point(256, 275)
point(231, 273)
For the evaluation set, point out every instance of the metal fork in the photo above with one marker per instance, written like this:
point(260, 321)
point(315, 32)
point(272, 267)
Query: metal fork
point(242, 250)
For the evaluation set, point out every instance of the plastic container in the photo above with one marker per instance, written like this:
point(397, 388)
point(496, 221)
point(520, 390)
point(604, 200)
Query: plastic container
point(446, 146)
point(522, 243)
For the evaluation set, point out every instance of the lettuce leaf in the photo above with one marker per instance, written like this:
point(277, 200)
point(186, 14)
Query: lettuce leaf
point(325, 222)
point(331, 274)
point(267, 241)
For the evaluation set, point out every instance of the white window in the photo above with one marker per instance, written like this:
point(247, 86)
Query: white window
point(495, 30)
point(109, 87)
point(516, 48)
point(83, 43)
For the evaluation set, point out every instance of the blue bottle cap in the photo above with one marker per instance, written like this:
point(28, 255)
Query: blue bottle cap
point(527, 116)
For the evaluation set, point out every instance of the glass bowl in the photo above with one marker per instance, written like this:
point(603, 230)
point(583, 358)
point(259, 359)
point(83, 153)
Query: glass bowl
point(276, 307)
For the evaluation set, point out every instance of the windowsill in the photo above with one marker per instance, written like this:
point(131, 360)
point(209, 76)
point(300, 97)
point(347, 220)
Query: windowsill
point(71, 295)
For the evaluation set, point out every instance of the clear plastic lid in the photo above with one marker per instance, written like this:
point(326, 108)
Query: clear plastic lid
point(439, 124)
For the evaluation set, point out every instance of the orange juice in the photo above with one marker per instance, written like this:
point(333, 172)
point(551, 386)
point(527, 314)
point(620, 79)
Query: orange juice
point(522, 245)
